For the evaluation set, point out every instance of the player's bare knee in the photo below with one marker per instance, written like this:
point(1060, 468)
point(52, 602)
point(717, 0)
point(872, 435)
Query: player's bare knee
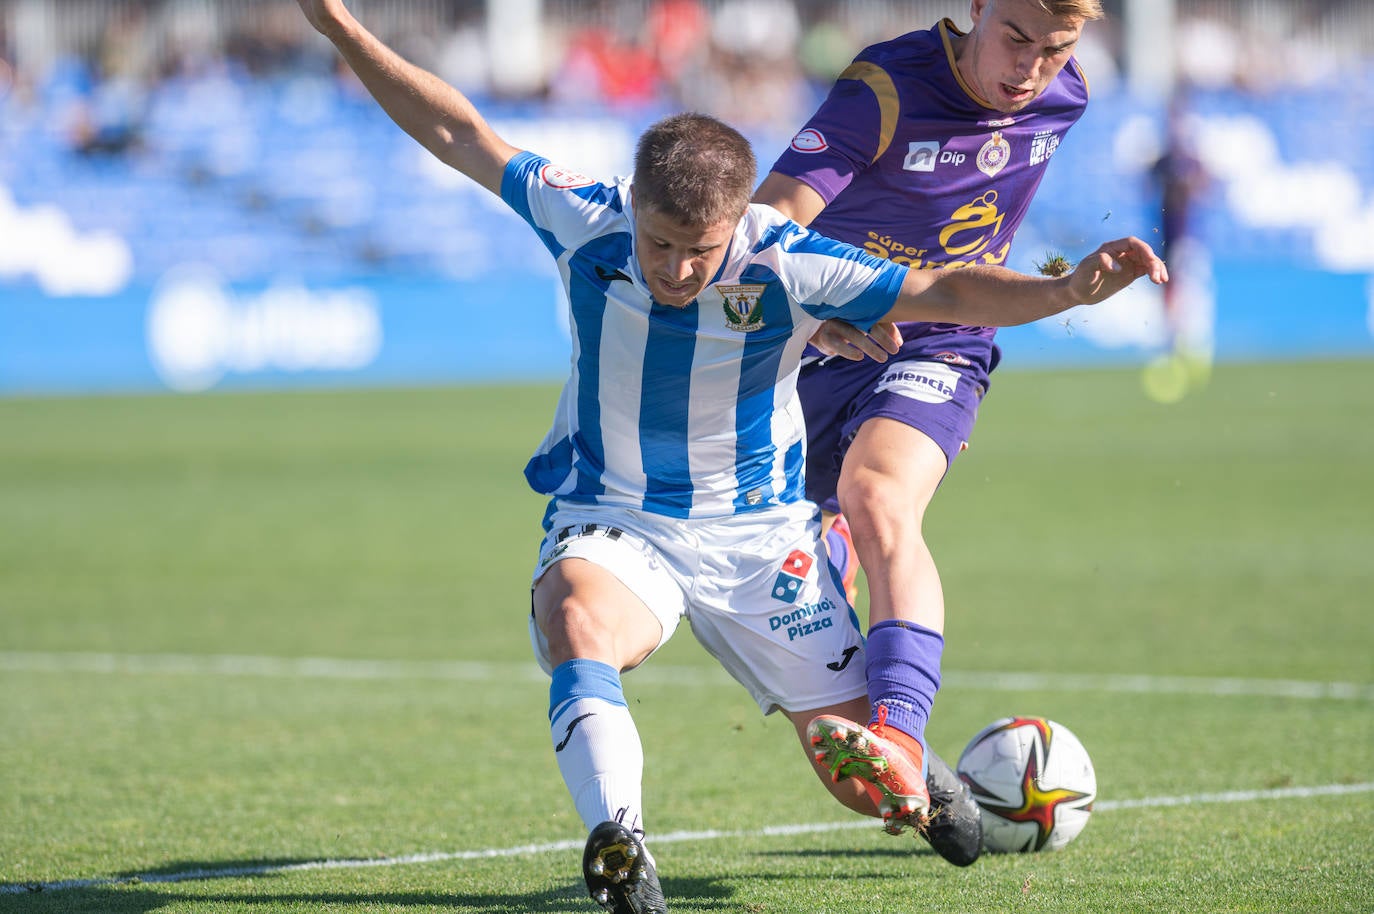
point(574, 629)
point(874, 513)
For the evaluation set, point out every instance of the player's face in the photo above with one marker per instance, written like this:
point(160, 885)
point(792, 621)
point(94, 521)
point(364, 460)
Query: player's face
point(679, 260)
point(1014, 51)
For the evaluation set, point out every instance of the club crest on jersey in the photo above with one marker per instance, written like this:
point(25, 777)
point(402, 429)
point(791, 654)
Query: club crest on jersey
point(810, 140)
point(562, 178)
point(795, 568)
point(743, 307)
point(994, 155)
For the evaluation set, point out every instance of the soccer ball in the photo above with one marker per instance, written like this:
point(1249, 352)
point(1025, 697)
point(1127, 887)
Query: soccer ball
point(1033, 781)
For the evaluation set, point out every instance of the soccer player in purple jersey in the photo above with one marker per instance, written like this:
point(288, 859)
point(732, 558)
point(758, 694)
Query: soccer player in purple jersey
point(927, 151)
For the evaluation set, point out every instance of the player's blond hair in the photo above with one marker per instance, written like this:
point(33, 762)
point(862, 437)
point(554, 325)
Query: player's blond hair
point(694, 169)
point(1075, 9)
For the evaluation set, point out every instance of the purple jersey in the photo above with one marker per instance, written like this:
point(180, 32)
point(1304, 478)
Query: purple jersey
point(915, 168)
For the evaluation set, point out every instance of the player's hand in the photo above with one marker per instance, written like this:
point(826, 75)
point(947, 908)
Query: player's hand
point(1113, 267)
point(323, 14)
point(849, 342)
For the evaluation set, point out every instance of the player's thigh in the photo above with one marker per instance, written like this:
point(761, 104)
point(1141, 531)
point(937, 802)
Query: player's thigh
point(585, 611)
point(605, 588)
point(829, 392)
point(891, 462)
point(909, 423)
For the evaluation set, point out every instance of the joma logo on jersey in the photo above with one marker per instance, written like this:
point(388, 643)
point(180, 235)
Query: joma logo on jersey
point(743, 307)
point(792, 576)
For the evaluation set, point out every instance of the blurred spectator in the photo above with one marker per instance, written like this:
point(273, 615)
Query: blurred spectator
point(267, 43)
point(463, 59)
point(605, 61)
point(679, 35)
point(107, 117)
point(752, 78)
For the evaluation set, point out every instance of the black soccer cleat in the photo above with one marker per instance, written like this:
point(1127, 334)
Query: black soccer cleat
point(955, 829)
point(620, 877)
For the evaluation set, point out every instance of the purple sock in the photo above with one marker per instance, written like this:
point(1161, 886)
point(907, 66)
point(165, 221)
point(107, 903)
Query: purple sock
point(839, 552)
point(904, 673)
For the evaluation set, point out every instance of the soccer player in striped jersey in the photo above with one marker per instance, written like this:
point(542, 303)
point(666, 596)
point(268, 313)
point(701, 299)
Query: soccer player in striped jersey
point(927, 153)
point(674, 462)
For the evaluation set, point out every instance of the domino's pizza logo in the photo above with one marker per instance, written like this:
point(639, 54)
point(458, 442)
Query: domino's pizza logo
point(790, 579)
point(810, 140)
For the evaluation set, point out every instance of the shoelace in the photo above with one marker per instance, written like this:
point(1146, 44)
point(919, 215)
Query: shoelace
point(878, 727)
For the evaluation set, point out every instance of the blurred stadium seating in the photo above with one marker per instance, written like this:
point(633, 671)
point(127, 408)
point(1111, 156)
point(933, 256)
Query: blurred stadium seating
point(109, 182)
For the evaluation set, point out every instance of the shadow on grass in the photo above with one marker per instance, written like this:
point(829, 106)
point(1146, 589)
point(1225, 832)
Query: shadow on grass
point(184, 886)
point(900, 852)
point(145, 892)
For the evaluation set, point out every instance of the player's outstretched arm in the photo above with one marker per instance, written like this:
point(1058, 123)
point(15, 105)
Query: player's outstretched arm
point(800, 203)
point(992, 296)
point(436, 114)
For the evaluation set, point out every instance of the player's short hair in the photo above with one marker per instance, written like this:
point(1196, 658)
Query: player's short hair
point(1078, 9)
point(694, 169)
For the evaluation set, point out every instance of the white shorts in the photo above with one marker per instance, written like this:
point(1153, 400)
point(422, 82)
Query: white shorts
point(757, 590)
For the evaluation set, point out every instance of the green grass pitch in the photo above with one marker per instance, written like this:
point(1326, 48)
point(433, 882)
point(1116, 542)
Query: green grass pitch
point(245, 635)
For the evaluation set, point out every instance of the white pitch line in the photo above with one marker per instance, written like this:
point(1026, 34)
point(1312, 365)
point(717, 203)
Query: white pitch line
point(530, 850)
point(1156, 685)
point(478, 671)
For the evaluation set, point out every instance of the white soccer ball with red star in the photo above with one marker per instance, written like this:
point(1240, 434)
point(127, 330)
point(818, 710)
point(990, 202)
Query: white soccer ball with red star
point(1033, 781)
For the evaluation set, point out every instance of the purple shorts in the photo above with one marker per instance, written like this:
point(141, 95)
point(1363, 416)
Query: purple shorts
point(933, 385)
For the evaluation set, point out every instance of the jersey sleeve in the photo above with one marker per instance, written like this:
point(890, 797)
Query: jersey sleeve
point(830, 279)
point(846, 134)
point(564, 208)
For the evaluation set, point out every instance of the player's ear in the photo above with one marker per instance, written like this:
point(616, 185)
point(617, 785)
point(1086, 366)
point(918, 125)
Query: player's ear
point(976, 9)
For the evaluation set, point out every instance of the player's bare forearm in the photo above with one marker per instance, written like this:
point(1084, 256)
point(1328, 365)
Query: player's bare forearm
point(993, 296)
point(981, 296)
point(436, 114)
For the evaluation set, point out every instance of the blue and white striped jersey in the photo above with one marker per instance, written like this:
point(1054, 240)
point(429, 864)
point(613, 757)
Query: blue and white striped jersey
point(684, 412)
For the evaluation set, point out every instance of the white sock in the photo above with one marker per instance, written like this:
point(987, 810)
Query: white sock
point(601, 759)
